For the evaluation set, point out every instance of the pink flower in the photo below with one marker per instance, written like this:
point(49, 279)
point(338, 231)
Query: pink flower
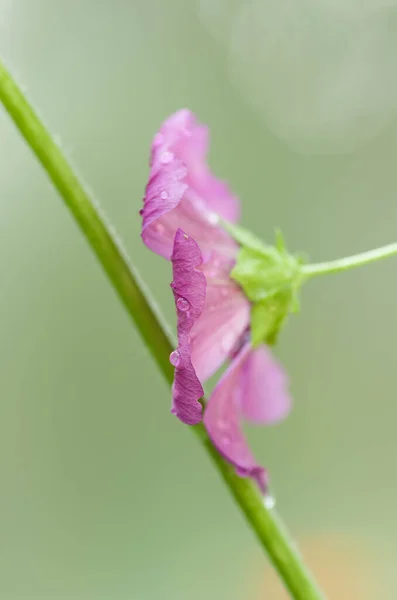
point(182, 205)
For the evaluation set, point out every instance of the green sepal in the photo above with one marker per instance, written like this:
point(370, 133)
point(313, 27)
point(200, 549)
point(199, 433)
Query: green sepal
point(259, 275)
point(270, 278)
point(262, 320)
point(265, 271)
point(269, 315)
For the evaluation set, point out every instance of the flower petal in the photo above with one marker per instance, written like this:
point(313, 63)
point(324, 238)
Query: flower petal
point(222, 324)
point(182, 192)
point(186, 389)
point(192, 148)
point(224, 410)
point(189, 287)
point(265, 398)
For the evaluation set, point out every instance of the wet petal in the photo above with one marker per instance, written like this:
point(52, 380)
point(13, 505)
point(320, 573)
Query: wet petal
point(186, 389)
point(189, 141)
point(189, 287)
point(182, 192)
point(164, 192)
point(225, 410)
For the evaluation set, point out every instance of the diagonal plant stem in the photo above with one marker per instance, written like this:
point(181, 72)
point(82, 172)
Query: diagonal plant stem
point(124, 278)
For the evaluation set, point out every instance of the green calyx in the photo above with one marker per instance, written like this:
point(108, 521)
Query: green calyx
point(271, 279)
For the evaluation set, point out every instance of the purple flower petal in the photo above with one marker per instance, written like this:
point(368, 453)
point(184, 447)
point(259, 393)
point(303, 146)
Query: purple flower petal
point(225, 407)
point(224, 320)
point(182, 192)
point(264, 397)
point(189, 292)
point(192, 148)
point(213, 314)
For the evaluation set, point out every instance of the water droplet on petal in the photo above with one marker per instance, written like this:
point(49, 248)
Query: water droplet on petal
point(166, 157)
point(159, 228)
point(183, 304)
point(213, 218)
point(164, 195)
point(175, 358)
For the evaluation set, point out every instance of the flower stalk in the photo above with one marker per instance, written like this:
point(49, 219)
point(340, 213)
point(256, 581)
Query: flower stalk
point(349, 262)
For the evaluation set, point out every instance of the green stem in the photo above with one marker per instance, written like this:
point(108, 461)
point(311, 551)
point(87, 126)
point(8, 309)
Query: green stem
point(350, 262)
point(128, 286)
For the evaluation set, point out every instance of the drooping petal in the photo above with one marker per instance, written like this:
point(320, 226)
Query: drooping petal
point(224, 411)
point(264, 397)
point(189, 287)
point(182, 192)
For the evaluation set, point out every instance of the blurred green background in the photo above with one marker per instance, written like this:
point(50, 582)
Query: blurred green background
point(104, 495)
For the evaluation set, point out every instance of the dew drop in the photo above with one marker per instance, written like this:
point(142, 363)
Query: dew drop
point(175, 358)
point(164, 195)
point(269, 501)
point(166, 157)
point(183, 304)
point(213, 218)
point(159, 228)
